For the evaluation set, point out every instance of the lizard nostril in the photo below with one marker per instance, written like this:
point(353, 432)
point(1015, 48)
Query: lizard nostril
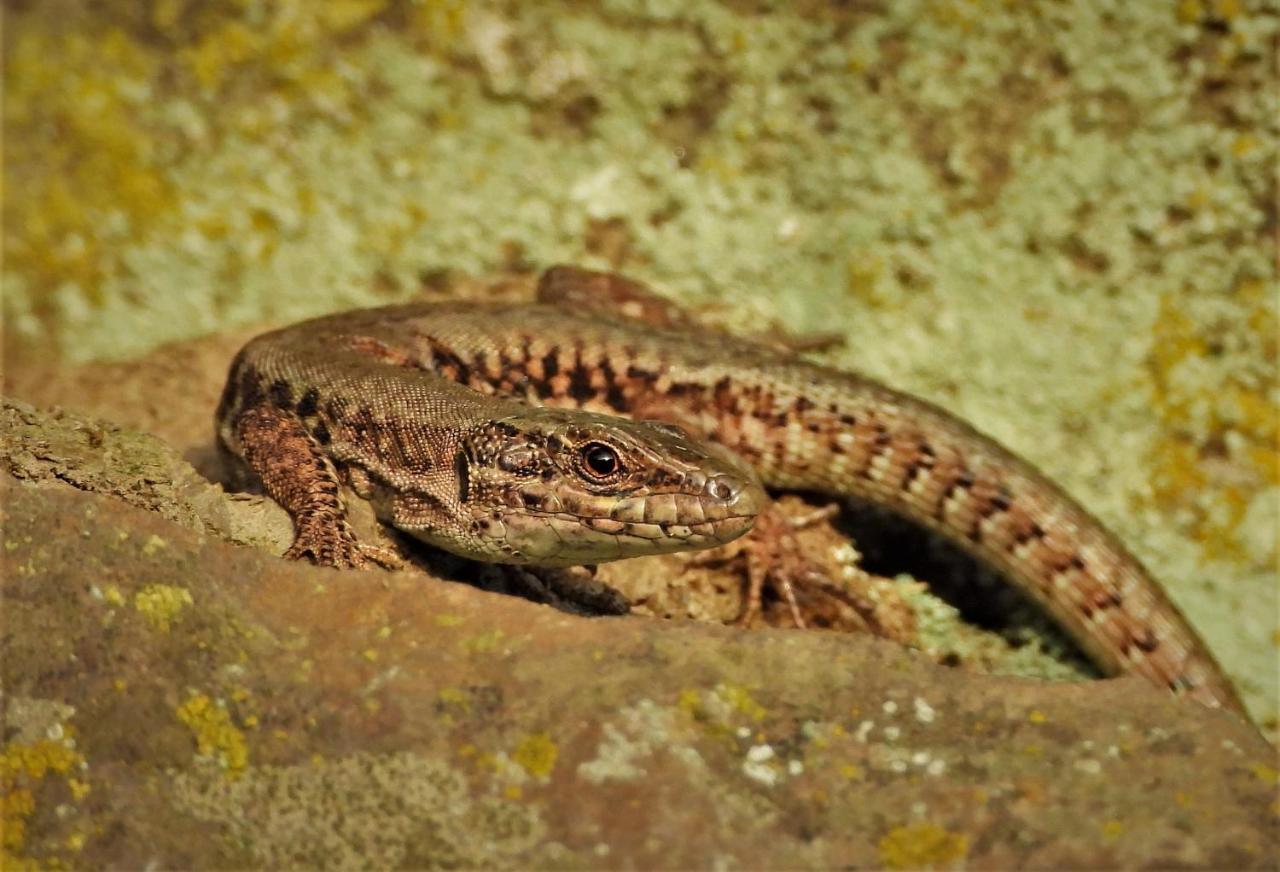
point(723, 489)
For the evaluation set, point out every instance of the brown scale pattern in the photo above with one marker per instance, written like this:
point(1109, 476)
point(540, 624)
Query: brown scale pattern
point(851, 437)
point(800, 426)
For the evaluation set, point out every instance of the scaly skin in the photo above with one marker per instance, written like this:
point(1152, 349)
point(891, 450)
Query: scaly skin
point(418, 402)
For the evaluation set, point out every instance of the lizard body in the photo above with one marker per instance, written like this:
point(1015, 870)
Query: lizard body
point(450, 417)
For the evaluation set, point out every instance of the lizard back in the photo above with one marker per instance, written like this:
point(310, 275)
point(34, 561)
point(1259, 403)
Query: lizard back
point(799, 425)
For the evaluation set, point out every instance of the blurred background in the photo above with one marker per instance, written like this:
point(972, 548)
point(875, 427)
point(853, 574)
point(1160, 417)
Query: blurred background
point(1056, 218)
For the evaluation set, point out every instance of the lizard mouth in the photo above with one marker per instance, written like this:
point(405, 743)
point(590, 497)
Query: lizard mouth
point(717, 532)
point(565, 539)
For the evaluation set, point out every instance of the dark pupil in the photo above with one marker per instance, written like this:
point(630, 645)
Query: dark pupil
point(601, 459)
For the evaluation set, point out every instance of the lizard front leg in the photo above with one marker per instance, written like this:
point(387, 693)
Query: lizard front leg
point(298, 475)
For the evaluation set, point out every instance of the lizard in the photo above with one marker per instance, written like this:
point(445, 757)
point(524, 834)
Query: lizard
point(593, 425)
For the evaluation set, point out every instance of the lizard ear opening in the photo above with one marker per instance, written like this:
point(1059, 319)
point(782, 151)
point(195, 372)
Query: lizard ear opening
point(462, 471)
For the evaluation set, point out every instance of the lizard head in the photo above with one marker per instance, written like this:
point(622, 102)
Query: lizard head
point(557, 487)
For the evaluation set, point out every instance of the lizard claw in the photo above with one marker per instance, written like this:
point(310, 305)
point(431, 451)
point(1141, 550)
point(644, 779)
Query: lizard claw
point(336, 545)
point(572, 589)
point(800, 575)
point(773, 555)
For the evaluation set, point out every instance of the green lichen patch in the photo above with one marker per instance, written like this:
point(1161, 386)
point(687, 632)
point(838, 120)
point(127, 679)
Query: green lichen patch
point(366, 811)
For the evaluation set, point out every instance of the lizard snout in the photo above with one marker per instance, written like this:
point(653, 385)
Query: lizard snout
point(740, 495)
point(728, 495)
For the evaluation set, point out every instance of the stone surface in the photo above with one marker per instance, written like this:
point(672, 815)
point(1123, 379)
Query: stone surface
point(176, 700)
point(1056, 220)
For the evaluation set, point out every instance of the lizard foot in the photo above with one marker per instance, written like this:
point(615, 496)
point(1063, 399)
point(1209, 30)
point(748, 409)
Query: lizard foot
point(336, 545)
point(573, 589)
point(808, 566)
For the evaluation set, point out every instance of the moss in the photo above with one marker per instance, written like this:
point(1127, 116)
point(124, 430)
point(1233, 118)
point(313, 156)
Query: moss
point(922, 846)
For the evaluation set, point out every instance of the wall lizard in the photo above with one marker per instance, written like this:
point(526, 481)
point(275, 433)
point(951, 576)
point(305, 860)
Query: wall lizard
point(554, 434)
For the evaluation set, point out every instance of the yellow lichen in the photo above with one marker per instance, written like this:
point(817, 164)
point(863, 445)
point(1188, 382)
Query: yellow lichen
point(1228, 10)
point(23, 766)
point(89, 143)
point(716, 706)
point(1112, 830)
point(483, 643)
point(851, 771)
point(451, 698)
point(77, 155)
point(536, 754)
point(741, 700)
point(1268, 775)
point(1190, 11)
point(922, 846)
point(219, 51)
point(1207, 417)
point(1245, 144)
point(690, 702)
point(161, 604)
point(341, 15)
point(216, 736)
point(16, 806)
point(37, 759)
point(439, 24)
point(864, 273)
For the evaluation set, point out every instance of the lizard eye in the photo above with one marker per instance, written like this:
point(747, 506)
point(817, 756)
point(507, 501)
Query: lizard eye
point(600, 460)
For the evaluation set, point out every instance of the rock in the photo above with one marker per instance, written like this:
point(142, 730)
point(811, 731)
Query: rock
point(175, 700)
